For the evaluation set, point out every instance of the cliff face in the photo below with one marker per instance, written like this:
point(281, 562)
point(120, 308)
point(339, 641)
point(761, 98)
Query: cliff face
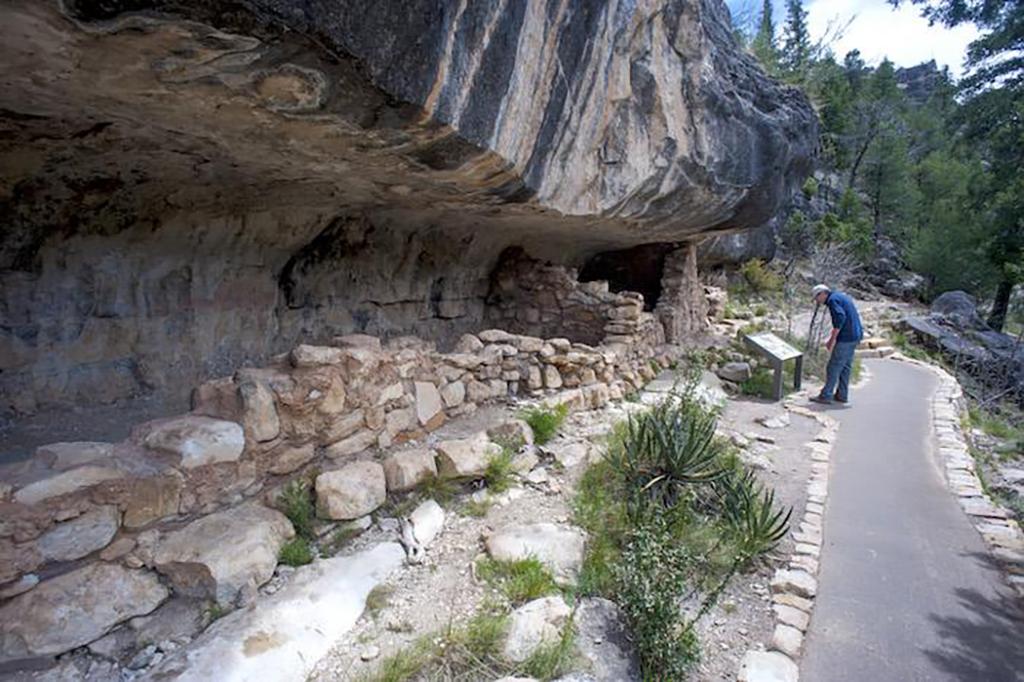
point(190, 186)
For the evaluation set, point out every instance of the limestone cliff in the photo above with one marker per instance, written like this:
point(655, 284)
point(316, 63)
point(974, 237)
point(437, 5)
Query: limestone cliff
point(187, 187)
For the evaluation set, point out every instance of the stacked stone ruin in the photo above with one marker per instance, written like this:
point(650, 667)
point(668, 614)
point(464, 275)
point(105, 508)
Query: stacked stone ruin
point(95, 534)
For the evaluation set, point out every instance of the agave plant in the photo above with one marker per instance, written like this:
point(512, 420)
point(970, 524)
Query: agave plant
point(664, 451)
point(750, 509)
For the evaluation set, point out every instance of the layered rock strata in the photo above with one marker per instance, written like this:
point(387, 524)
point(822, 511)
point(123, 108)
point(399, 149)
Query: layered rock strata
point(189, 187)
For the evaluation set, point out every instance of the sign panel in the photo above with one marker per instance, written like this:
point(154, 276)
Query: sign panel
point(773, 346)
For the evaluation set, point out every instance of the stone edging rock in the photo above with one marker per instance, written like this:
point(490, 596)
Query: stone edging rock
point(794, 588)
point(1002, 535)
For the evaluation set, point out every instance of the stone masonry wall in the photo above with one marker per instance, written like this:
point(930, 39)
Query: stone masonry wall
point(94, 535)
point(682, 307)
point(531, 297)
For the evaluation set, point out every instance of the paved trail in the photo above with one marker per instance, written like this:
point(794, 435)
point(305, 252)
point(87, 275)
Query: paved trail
point(906, 590)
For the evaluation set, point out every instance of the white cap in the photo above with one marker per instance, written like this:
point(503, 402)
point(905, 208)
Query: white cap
point(819, 288)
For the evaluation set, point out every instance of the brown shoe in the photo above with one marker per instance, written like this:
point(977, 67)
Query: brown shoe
point(820, 400)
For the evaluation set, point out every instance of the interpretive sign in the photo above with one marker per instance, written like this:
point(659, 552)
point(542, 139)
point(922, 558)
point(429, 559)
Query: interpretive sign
point(777, 351)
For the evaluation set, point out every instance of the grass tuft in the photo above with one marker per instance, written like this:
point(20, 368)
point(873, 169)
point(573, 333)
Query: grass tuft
point(296, 552)
point(499, 474)
point(296, 502)
point(545, 422)
point(519, 581)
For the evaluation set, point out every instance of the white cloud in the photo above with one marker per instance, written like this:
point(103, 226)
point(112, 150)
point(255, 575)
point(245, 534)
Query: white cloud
point(880, 31)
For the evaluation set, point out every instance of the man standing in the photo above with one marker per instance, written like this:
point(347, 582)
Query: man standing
point(842, 342)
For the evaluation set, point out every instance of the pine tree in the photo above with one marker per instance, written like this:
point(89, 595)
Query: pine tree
point(763, 46)
point(796, 45)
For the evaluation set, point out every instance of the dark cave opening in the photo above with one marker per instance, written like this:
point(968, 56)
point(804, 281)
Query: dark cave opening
point(637, 269)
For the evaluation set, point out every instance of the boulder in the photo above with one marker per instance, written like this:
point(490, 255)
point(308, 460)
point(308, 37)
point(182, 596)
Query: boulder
point(560, 548)
point(429, 408)
point(465, 457)
point(512, 431)
point(453, 394)
point(220, 555)
point(426, 522)
point(406, 469)
point(960, 308)
point(75, 608)
point(198, 441)
point(64, 456)
point(736, 372)
point(604, 641)
point(352, 491)
point(468, 344)
point(535, 624)
point(80, 536)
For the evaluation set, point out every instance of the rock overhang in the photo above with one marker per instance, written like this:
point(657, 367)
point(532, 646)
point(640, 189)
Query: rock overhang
point(611, 123)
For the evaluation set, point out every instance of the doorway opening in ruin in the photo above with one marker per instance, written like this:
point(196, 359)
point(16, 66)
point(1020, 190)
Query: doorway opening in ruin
point(637, 269)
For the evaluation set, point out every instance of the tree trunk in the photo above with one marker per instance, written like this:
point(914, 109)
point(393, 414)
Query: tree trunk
point(1000, 305)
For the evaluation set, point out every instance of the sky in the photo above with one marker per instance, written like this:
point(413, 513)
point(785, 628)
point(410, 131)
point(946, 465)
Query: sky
point(879, 31)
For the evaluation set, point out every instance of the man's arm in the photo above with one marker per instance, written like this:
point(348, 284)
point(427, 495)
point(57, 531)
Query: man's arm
point(838, 320)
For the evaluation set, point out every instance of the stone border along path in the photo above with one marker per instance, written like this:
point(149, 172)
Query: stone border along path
point(794, 588)
point(1001, 534)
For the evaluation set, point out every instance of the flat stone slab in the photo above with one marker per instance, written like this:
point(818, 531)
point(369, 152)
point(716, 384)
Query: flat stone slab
point(75, 608)
point(80, 536)
point(65, 483)
point(558, 547)
point(282, 637)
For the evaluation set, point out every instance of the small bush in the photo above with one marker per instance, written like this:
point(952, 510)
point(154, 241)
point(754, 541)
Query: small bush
point(759, 278)
point(296, 502)
point(519, 581)
point(499, 474)
point(810, 187)
point(651, 582)
point(545, 422)
point(296, 552)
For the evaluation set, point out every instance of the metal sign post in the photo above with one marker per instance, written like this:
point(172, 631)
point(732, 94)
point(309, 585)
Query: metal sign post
point(777, 351)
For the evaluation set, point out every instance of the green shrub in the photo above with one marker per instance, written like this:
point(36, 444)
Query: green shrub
point(759, 278)
point(810, 187)
point(296, 502)
point(651, 581)
point(296, 552)
point(499, 474)
point(545, 422)
point(519, 581)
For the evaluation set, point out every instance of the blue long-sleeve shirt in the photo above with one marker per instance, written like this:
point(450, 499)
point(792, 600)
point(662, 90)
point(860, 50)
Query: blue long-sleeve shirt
point(844, 317)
